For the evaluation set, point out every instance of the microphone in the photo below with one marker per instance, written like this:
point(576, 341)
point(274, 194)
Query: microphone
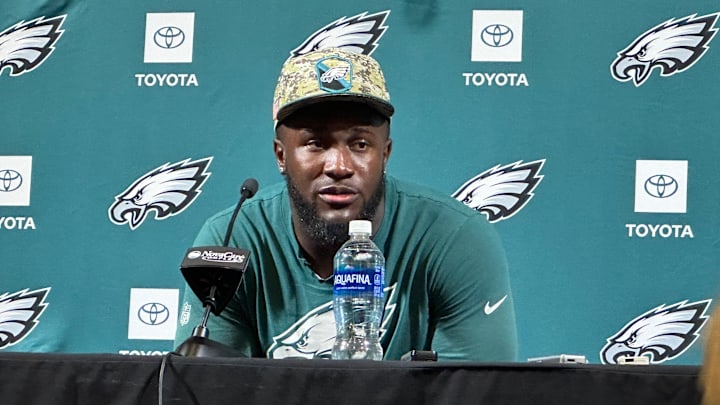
point(214, 273)
point(247, 190)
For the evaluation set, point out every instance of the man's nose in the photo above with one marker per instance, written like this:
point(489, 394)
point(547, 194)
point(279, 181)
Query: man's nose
point(338, 163)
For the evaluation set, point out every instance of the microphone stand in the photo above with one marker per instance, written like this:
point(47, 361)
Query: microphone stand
point(226, 276)
point(199, 343)
point(210, 305)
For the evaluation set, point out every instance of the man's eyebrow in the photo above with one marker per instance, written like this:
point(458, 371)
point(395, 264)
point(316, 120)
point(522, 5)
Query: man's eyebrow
point(362, 128)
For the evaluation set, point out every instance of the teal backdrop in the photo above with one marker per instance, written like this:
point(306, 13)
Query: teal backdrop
point(619, 223)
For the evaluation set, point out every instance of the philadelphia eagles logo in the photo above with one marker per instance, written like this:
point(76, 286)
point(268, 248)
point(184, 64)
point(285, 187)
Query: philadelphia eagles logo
point(334, 73)
point(19, 312)
point(661, 334)
point(500, 192)
point(313, 336)
point(26, 45)
point(359, 34)
point(671, 47)
point(167, 191)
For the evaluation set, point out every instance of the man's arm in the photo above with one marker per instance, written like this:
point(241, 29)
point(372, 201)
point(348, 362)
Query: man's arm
point(471, 304)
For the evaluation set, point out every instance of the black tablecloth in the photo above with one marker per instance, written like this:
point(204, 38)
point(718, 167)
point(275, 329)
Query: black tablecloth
point(42, 378)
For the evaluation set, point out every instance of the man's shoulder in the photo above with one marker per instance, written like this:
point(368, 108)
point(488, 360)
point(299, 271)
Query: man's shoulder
point(269, 195)
point(429, 222)
point(420, 197)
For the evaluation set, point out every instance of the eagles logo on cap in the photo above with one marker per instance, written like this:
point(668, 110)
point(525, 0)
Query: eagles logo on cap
point(330, 73)
point(334, 74)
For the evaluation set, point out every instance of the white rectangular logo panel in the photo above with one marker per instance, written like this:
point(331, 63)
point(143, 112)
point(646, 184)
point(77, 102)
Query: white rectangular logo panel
point(169, 37)
point(661, 186)
point(153, 313)
point(497, 36)
point(15, 178)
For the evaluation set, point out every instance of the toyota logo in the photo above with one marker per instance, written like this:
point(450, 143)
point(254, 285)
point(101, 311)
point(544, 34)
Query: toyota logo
point(153, 313)
point(10, 180)
point(661, 186)
point(169, 37)
point(496, 35)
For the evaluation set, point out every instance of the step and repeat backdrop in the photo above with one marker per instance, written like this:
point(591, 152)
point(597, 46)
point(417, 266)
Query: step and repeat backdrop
point(587, 132)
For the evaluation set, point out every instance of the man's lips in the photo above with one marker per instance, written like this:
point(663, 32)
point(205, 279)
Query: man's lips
point(338, 195)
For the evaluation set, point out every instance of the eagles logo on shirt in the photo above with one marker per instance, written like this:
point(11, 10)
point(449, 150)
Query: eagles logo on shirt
point(313, 335)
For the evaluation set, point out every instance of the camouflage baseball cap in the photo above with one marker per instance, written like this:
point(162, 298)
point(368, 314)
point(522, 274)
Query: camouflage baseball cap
point(330, 73)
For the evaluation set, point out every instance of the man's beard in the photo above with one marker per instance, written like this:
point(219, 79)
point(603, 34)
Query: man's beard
point(329, 234)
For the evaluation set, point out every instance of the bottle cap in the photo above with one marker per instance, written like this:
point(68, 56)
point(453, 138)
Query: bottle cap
point(360, 226)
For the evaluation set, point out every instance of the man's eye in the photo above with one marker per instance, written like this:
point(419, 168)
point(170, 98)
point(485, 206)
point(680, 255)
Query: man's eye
point(361, 145)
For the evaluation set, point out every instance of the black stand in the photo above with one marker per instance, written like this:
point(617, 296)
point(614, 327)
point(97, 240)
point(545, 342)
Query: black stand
point(199, 344)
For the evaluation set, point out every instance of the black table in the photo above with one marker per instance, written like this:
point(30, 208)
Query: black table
point(105, 379)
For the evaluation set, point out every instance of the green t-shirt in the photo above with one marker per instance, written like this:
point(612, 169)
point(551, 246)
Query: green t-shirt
point(446, 277)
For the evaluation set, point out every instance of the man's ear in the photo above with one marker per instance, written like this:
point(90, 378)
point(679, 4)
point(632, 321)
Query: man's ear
point(279, 150)
point(388, 150)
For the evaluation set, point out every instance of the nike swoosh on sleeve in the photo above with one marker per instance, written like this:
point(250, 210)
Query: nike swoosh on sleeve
point(489, 309)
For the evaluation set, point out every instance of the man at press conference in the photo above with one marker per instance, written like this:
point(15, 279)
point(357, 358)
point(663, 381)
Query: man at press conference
point(446, 277)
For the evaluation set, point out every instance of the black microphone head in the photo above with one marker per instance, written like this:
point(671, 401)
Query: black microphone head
point(249, 188)
point(221, 267)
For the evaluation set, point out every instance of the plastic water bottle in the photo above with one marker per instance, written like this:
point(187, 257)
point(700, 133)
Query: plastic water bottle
point(358, 295)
